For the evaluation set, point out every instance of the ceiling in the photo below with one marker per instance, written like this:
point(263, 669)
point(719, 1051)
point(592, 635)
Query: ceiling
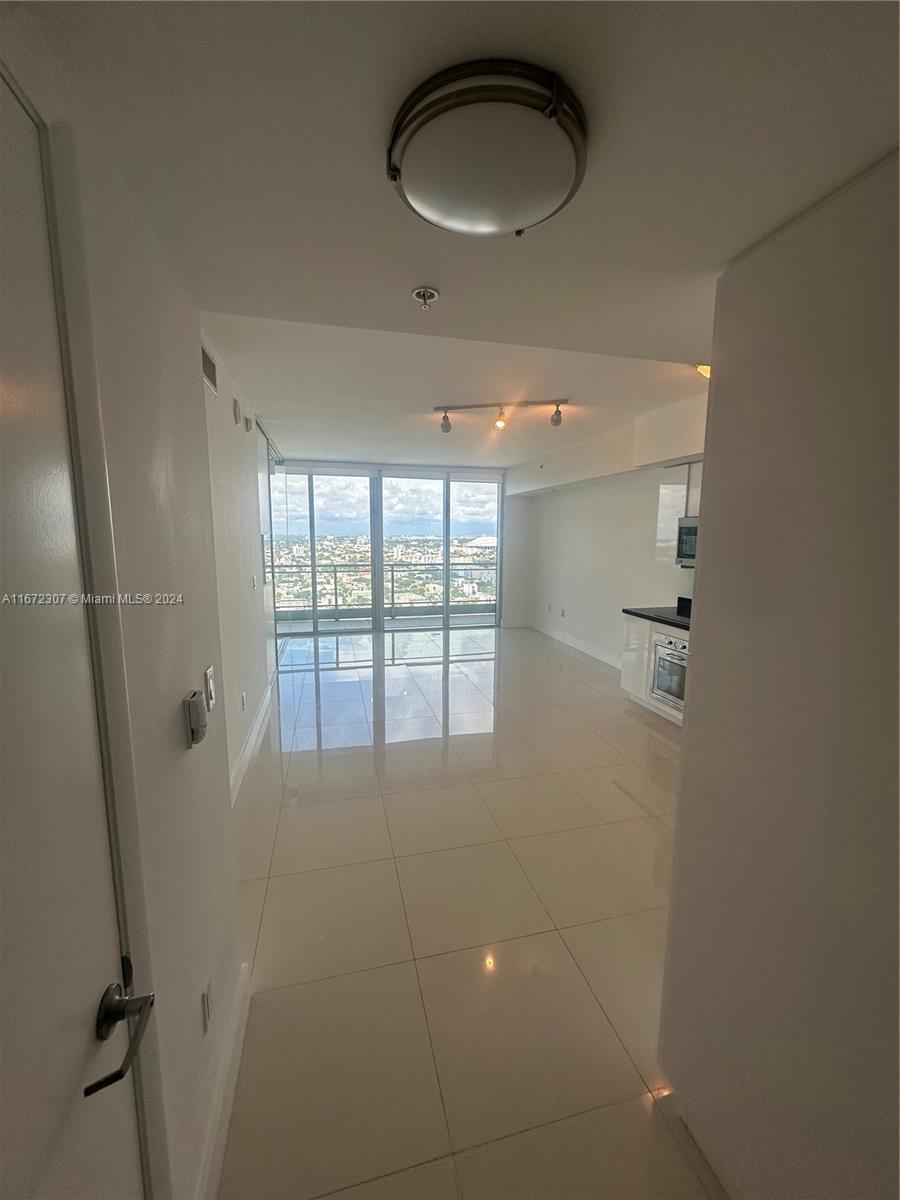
point(327, 392)
point(254, 134)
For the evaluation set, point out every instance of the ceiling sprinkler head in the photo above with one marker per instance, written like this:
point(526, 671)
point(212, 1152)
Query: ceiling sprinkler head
point(426, 296)
point(556, 418)
point(445, 423)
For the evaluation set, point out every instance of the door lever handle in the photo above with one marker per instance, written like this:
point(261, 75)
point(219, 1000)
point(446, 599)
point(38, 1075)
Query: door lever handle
point(115, 1006)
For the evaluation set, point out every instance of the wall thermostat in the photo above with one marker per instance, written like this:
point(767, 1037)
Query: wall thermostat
point(195, 717)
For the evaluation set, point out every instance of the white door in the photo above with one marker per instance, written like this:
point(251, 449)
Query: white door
point(59, 939)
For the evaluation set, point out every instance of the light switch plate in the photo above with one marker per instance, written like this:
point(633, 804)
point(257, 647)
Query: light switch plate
point(209, 688)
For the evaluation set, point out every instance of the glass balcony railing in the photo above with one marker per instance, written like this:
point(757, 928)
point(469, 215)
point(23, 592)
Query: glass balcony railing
point(344, 590)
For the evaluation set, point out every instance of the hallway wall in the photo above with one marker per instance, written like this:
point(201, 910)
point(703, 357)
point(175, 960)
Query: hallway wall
point(137, 348)
point(780, 1009)
point(233, 464)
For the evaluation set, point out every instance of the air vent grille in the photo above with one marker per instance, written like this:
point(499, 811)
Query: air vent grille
point(209, 368)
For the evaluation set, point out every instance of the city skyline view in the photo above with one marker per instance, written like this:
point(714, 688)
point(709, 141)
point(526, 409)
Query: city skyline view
point(413, 548)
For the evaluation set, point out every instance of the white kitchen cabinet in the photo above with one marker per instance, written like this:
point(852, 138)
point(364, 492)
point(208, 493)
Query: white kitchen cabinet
point(671, 506)
point(636, 647)
point(695, 483)
point(679, 496)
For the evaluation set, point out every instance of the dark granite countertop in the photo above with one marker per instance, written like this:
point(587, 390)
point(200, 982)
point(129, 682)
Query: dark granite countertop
point(662, 616)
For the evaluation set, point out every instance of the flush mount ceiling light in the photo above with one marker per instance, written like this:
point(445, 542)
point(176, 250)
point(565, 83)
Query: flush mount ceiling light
point(502, 419)
point(705, 370)
point(488, 147)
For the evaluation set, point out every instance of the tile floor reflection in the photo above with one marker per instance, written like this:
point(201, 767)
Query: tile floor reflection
point(454, 853)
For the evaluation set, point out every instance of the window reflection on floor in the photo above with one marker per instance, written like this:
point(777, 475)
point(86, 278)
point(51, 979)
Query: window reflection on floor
point(357, 690)
point(453, 853)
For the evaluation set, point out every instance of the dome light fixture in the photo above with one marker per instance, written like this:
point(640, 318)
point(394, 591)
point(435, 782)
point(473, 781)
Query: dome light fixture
point(445, 423)
point(500, 423)
point(488, 147)
point(556, 418)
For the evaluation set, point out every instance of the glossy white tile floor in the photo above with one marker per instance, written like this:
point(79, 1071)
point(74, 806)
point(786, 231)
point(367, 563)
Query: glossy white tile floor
point(454, 852)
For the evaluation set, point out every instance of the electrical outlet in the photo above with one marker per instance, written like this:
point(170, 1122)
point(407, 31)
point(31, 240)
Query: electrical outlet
point(562, 612)
point(254, 583)
point(243, 701)
point(206, 1001)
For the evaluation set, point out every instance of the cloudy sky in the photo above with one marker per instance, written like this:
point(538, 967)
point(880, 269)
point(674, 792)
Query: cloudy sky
point(411, 506)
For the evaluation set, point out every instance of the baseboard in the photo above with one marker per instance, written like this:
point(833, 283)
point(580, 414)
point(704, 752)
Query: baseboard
point(217, 1137)
point(679, 1122)
point(589, 648)
point(249, 747)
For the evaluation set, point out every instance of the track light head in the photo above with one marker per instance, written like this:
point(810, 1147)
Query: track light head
point(556, 418)
point(500, 423)
point(445, 423)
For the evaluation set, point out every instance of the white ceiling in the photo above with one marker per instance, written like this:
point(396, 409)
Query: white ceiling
point(360, 394)
point(253, 135)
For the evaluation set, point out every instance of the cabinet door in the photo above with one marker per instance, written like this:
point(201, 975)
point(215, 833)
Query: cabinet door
point(672, 501)
point(634, 656)
point(695, 482)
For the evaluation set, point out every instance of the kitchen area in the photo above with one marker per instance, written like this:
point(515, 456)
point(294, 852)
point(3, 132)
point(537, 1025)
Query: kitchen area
point(656, 641)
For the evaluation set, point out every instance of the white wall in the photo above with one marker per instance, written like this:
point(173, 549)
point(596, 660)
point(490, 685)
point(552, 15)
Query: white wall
point(677, 431)
point(779, 1025)
point(518, 535)
point(233, 466)
point(595, 554)
point(664, 435)
point(138, 348)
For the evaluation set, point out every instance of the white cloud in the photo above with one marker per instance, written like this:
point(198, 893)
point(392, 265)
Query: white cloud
point(346, 499)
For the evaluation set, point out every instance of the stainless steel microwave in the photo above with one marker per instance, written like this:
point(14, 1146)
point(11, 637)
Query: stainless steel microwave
point(686, 546)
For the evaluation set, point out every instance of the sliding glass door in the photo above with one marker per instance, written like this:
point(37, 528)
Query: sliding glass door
point(474, 562)
point(413, 539)
point(342, 549)
point(377, 549)
point(292, 552)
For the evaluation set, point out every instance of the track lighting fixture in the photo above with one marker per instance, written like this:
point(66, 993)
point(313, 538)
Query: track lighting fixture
point(501, 421)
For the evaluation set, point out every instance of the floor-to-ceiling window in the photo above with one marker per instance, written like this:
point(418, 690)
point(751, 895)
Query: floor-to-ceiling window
point(342, 551)
point(413, 539)
point(292, 551)
point(376, 548)
point(474, 549)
